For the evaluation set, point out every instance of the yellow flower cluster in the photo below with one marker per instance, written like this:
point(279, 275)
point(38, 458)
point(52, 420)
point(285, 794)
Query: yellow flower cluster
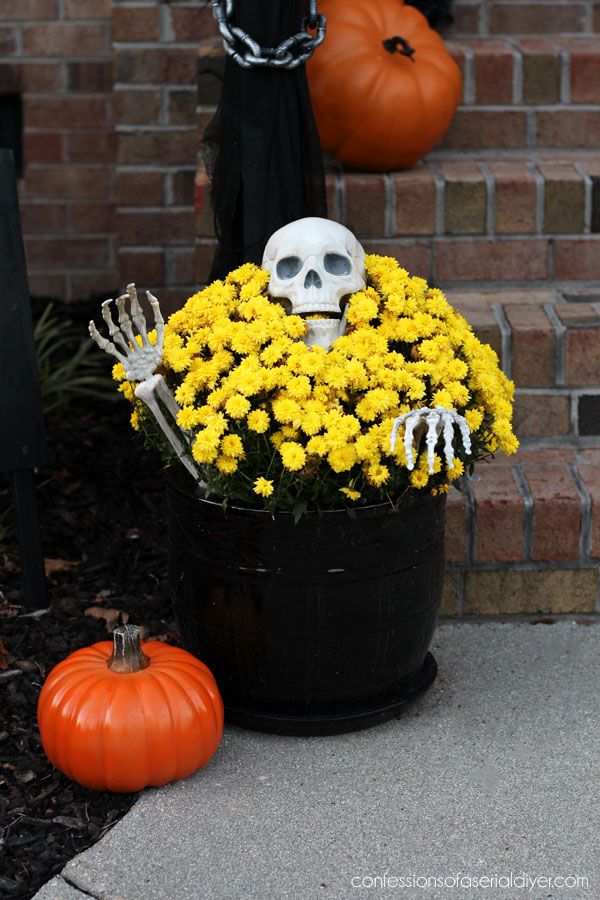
point(287, 420)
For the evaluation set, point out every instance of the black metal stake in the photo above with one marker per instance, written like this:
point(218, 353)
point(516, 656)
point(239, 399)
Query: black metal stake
point(22, 439)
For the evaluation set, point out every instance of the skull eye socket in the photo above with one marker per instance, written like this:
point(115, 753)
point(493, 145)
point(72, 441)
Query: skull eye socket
point(336, 264)
point(288, 267)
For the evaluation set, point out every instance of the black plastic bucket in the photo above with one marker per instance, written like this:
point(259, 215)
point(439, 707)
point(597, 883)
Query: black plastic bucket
point(312, 628)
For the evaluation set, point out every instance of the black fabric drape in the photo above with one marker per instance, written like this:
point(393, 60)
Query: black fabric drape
point(262, 147)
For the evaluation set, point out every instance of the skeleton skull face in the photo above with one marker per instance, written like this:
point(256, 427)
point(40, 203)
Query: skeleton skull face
point(314, 265)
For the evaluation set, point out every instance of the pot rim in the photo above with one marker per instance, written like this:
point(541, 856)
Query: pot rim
point(409, 499)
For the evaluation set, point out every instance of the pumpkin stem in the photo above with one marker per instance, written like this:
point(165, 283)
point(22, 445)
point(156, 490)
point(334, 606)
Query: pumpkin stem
point(392, 44)
point(127, 653)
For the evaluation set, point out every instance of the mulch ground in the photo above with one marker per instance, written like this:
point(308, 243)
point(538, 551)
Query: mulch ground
point(102, 514)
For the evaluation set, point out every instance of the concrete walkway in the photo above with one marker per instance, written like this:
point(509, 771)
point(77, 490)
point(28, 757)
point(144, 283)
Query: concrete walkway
point(494, 774)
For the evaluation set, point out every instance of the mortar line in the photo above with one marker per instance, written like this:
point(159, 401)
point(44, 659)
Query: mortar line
point(517, 79)
point(523, 487)
point(585, 534)
point(587, 201)
point(469, 86)
point(565, 77)
point(440, 200)
point(506, 337)
point(389, 226)
point(490, 206)
point(539, 197)
point(559, 351)
point(339, 197)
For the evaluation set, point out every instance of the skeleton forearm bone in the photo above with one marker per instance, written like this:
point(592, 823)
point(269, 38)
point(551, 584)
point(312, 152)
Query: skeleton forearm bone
point(140, 363)
point(437, 421)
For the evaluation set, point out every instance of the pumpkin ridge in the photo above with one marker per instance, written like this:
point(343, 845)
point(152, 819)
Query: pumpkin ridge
point(156, 680)
point(204, 693)
point(69, 724)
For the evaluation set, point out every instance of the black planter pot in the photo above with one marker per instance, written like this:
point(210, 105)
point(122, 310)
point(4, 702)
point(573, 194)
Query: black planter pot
point(315, 628)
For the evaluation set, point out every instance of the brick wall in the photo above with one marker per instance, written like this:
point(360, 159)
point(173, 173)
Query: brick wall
point(110, 140)
point(57, 55)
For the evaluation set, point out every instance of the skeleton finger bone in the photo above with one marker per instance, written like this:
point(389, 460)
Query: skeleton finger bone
point(113, 329)
point(139, 320)
point(436, 421)
point(103, 343)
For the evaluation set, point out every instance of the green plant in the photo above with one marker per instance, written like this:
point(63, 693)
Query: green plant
point(66, 368)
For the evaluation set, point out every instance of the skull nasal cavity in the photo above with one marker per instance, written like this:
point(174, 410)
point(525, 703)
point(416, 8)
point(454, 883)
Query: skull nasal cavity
point(312, 280)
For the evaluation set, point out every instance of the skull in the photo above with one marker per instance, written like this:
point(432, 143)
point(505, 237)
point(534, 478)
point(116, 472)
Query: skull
point(315, 264)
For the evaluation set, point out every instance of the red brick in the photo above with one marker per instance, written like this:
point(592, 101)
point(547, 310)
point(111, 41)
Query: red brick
point(577, 314)
point(541, 415)
point(91, 146)
point(65, 112)
point(87, 9)
point(183, 266)
point(76, 182)
point(415, 257)
point(8, 41)
point(65, 39)
point(193, 24)
point(538, 456)
point(466, 18)
point(42, 147)
point(17, 76)
point(570, 128)
point(43, 218)
point(182, 187)
point(543, 18)
point(155, 228)
point(533, 346)
point(130, 25)
point(47, 285)
point(515, 198)
point(66, 252)
point(170, 148)
point(499, 515)
point(156, 66)
point(91, 77)
point(556, 512)
point(514, 591)
point(365, 205)
point(483, 129)
point(142, 266)
point(456, 527)
point(577, 260)
point(486, 260)
point(139, 188)
point(493, 72)
point(83, 285)
point(205, 252)
point(590, 476)
point(26, 10)
point(415, 202)
point(181, 107)
point(92, 218)
point(465, 198)
point(582, 356)
point(585, 75)
point(481, 318)
point(136, 107)
point(564, 198)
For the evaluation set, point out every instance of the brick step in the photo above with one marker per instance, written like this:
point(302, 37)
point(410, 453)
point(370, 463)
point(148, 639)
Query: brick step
point(522, 17)
point(549, 344)
point(465, 223)
point(524, 535)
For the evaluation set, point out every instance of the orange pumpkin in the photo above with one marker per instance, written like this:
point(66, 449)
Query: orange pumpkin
point(383, 86)
point(117, 717)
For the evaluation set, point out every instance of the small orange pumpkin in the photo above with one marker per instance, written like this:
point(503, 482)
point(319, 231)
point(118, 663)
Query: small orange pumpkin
point(123, 716)
point(383, 86)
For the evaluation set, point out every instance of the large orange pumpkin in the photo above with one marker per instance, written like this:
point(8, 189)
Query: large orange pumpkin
point(124, 716)
point(383, 86)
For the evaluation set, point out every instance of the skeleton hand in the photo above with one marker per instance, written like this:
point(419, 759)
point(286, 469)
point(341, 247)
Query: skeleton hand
point(139, 362)
point(436, 421)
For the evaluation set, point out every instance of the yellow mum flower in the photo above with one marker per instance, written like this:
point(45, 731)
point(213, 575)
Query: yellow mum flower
point(237, 406)
point(456, 470)
point(226, 465)
point(377, 475)
point(293, 455)
point(231, 445)
point(134, 421)
point(263, 487)
point(341, 459)
point(258, 421)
